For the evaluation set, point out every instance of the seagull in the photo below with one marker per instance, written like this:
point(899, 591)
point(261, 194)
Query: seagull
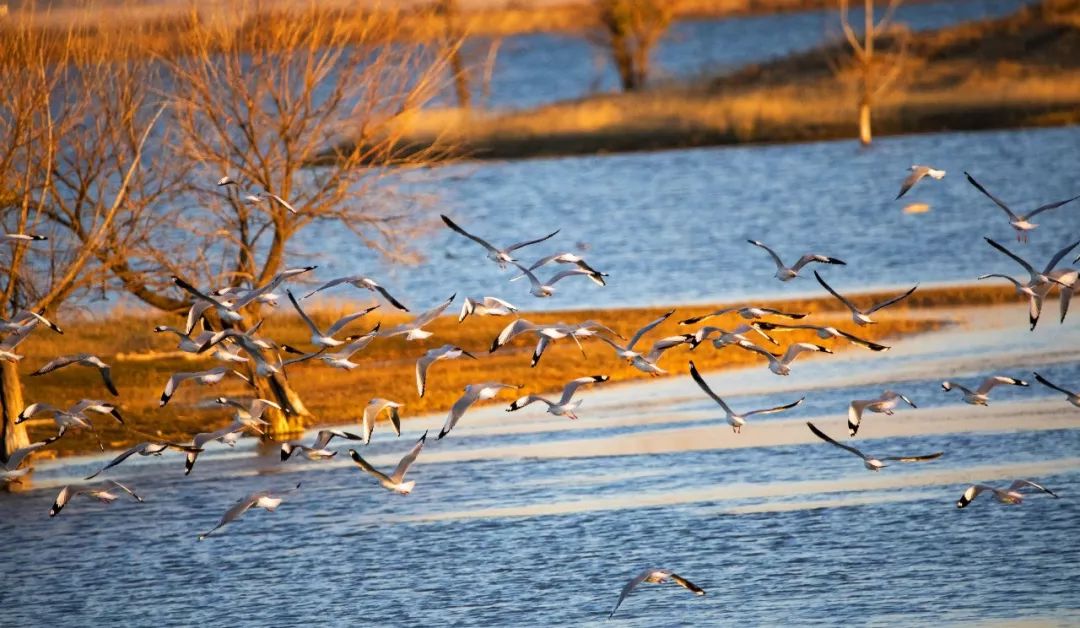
point(101, 493)
point(338, 359)
point(1011, 495)
point(24, 237)
point(326, 339)
point(82, 359)
point(1040, 282)
point(372, 411)
point(73, 417)
point(229, 308)
point(655, 576)
point(736, 421)
point(261, 499)
point(10, 471)
point(1073, 398)
point(188, 344)
point(445, 352)
point(885, 404)
point(148, 448)
point(1022, 224)
point(226, 180)
point(249, 413)
point(473, 393)
point(1068, 283)
point(980, 396)
point(638, 360)
point(413, 330)
point(862, 317)
point(747, 312)
point(323, 438)
point(563, 407)
point(917, 174)
point(486, 306)
point(226, 435)
point(311, 453)
point(27, 318)
point(547, 333)
point(13, 340)
point(540, 290)
point(256, 199)
point(727, 338)
point(365, 283)
point(205, 378)
point(824, 333)
point(779, 363)
point(870, 462)
point(787, 273)
point(394, 481)
point(499, 256)
point(567, 258)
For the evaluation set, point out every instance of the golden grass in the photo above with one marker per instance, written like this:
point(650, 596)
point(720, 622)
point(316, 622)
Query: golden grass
point(387, 366)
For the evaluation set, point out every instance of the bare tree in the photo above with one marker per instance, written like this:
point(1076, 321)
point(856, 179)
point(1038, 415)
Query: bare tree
point(876, 69)
point(629, 30)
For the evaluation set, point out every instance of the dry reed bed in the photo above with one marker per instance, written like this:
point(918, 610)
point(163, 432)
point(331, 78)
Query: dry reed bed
point(387, 365)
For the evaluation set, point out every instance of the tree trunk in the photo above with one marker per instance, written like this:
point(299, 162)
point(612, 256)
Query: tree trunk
point(461, 79)
point(11, 404)
point(864, 122)
point(624, 63)
point(283, 426)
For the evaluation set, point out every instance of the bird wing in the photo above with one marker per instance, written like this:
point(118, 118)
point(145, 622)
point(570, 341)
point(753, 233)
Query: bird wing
point(458, 410)
point(988, 384)
point(836, 294)
point(971, 493)
point(323, 438)
point(1019, 484)
point(572, 386)
point(232, 514)
point(58, 363)
point(822, 259)
point(628, 587)
point(332, 283)
point(828, 439)
point(363, 464)
point(195, 292)
point(544, 261)
point(106, 378)
point(122, 457)
point(1045, 382)
point(913, 178)
point(1048, 206)
point(775, 409)
point(17, 456)
point(403, 466)
point(311, 324)
point(886, 303)
point(388, 297)
point(126, 489)
point(801, 347)
point(873, 346)
point(646, 329)
point(1057, 257)
point(340, 323)
point(421, 371)
point(433, 313)
point(284, 204)
point(519, 245)
point(776, 258)
point(568, 273)
point(932, 456)
point(1016, 258)
point(708, 391)
point(482, 242)
point(528, 273)
point(997, 201)
point(686, 584)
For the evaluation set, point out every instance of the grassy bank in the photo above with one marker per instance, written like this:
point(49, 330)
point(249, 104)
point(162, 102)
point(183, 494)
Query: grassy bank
point(1018, 71)
point(142, 362)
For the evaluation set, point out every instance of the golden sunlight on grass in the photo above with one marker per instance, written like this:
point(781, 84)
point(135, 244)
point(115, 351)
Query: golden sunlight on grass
point(142, 362)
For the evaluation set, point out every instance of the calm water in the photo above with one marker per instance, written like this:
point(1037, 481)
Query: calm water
point(671, 227)
point(527, 519)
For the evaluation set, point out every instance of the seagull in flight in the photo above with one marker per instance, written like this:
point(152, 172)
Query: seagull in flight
point(885, 404)
point(73, 417)
point(473, 393)
point(565, 406)
point(373, 409)
point(205, 378)
point(395, 481)
point(413, 330)
point(736, 421)
point(980, 396)
point(647, 362)
point(780, 363)
point(10, 471)
point(500, 256)
point(24, 237)
point(262, 499)
point(787, 273)
point(318, 450)
point(1011, 495)
point(486, 306)
point(1020, 223)
point(363, 283)
point(823, 332)
point(546, 289)
point(918, 173)
point(1073, 398)
point(748, 312)
point(27, 318)
point(340, 359)
point(226, 435)
point(871, 463)
point(860, 316)
point(81, 359)
point(445, 352)
point(567, 258)
point(326, 338)
point(103, 494)
point(148, 448)
point(655, 576)
point(1039, 283)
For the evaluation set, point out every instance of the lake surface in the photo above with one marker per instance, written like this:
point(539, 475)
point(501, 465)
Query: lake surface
point(528, 519)
point(671, 227)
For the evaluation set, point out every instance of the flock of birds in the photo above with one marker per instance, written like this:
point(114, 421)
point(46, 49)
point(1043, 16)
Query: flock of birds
point(263, 358)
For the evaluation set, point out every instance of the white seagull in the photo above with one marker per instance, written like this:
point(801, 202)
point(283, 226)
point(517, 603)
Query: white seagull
point(546, 289)
point(101, 493)
point(787, 273)
point(414, 329)
point(564, 406)
point(204, 378)
point(373, 409)
point(445, 352)
point(73, 417)
point(26, 318)
point(311, 453)
point(655, 576)
point(748, 312)
point(917, 174)
point(1011, 495)
point(256, 199)
point(249, 413)
point(24, 237)
point(395, 481)
point(261, 499)
point(81, 359)
point(647, 362)
point(363, 283)
point(736, 421)
point(870, 462)
point(860, 316)
point(567, 258)
point(780, 363)
point(485, 306)
point(1073, 398)
point(226, 435)
point(885, 404)
point(340, 359)
point(725, 338)
point(10, 471)
point(1021, 224)
point(148, 448)
point(981, 395)
point(473, 393)
point(326, 338)
point(318, 449)
point(823, 332)
point(1039, 282)
point(500, 256)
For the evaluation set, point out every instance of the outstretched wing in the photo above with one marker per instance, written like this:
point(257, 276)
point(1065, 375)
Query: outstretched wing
point(776, 258)
point(1045, 382)
point(519, 245)
point(406, 462)
point(997, 201)
point(828, 439)
point(888, 302)
point(363, 464)
point(1048, 206)
point(58, 363)
point(776, 409)
point(630, 586)
point(1015, 258)
point(646, 329)
point(836, 294)
point(933, 456)
point(1019, 484)
point(573, 385)
point(705, 387)
point(307, 320)
point(482, 242)
point(340, 323)
point(686, 584)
